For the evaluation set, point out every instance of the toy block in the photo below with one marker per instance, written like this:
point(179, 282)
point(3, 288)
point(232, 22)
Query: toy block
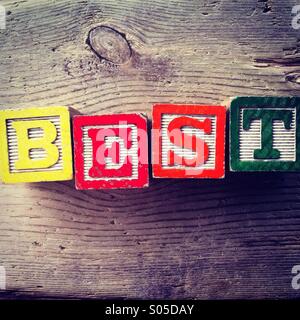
point(110, 151)
point(188, 141)
point(264, 135)
point(35, 145)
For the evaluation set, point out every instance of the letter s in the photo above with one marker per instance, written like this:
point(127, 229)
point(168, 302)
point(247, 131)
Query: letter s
point(296, 278)
point(178, 138)
point(152, 309)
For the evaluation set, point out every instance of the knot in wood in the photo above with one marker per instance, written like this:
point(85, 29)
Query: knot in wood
point(109, 44)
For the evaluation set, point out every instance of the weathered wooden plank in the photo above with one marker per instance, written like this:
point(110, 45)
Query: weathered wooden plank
point(235, 238)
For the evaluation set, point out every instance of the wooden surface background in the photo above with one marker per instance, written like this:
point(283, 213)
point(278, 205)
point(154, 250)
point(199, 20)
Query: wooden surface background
point(234, 238)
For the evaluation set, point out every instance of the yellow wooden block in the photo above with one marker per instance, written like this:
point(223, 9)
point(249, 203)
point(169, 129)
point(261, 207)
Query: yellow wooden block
point(35, 145)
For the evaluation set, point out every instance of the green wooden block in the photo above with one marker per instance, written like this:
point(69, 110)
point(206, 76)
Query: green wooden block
point(265, 134)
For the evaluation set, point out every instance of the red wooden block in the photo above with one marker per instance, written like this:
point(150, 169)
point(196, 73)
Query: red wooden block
point(188, 141)
point(110, 151)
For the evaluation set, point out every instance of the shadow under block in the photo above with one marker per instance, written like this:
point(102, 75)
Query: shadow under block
point(110, 151)
point(35, 145)
point(264, 134)
point(188, 141)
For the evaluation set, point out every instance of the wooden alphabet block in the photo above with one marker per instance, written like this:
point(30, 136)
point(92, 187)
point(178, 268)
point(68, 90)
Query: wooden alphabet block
point(111, 151)
point(188, 141)
point(35, 145)
point(265, 134)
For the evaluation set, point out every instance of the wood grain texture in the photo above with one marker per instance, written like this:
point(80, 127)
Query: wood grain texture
point(234, 238)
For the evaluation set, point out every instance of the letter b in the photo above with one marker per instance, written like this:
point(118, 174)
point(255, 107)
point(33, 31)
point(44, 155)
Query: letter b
point(26, 144)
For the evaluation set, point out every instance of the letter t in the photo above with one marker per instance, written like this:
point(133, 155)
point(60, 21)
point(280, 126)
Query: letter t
point(267, 117)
